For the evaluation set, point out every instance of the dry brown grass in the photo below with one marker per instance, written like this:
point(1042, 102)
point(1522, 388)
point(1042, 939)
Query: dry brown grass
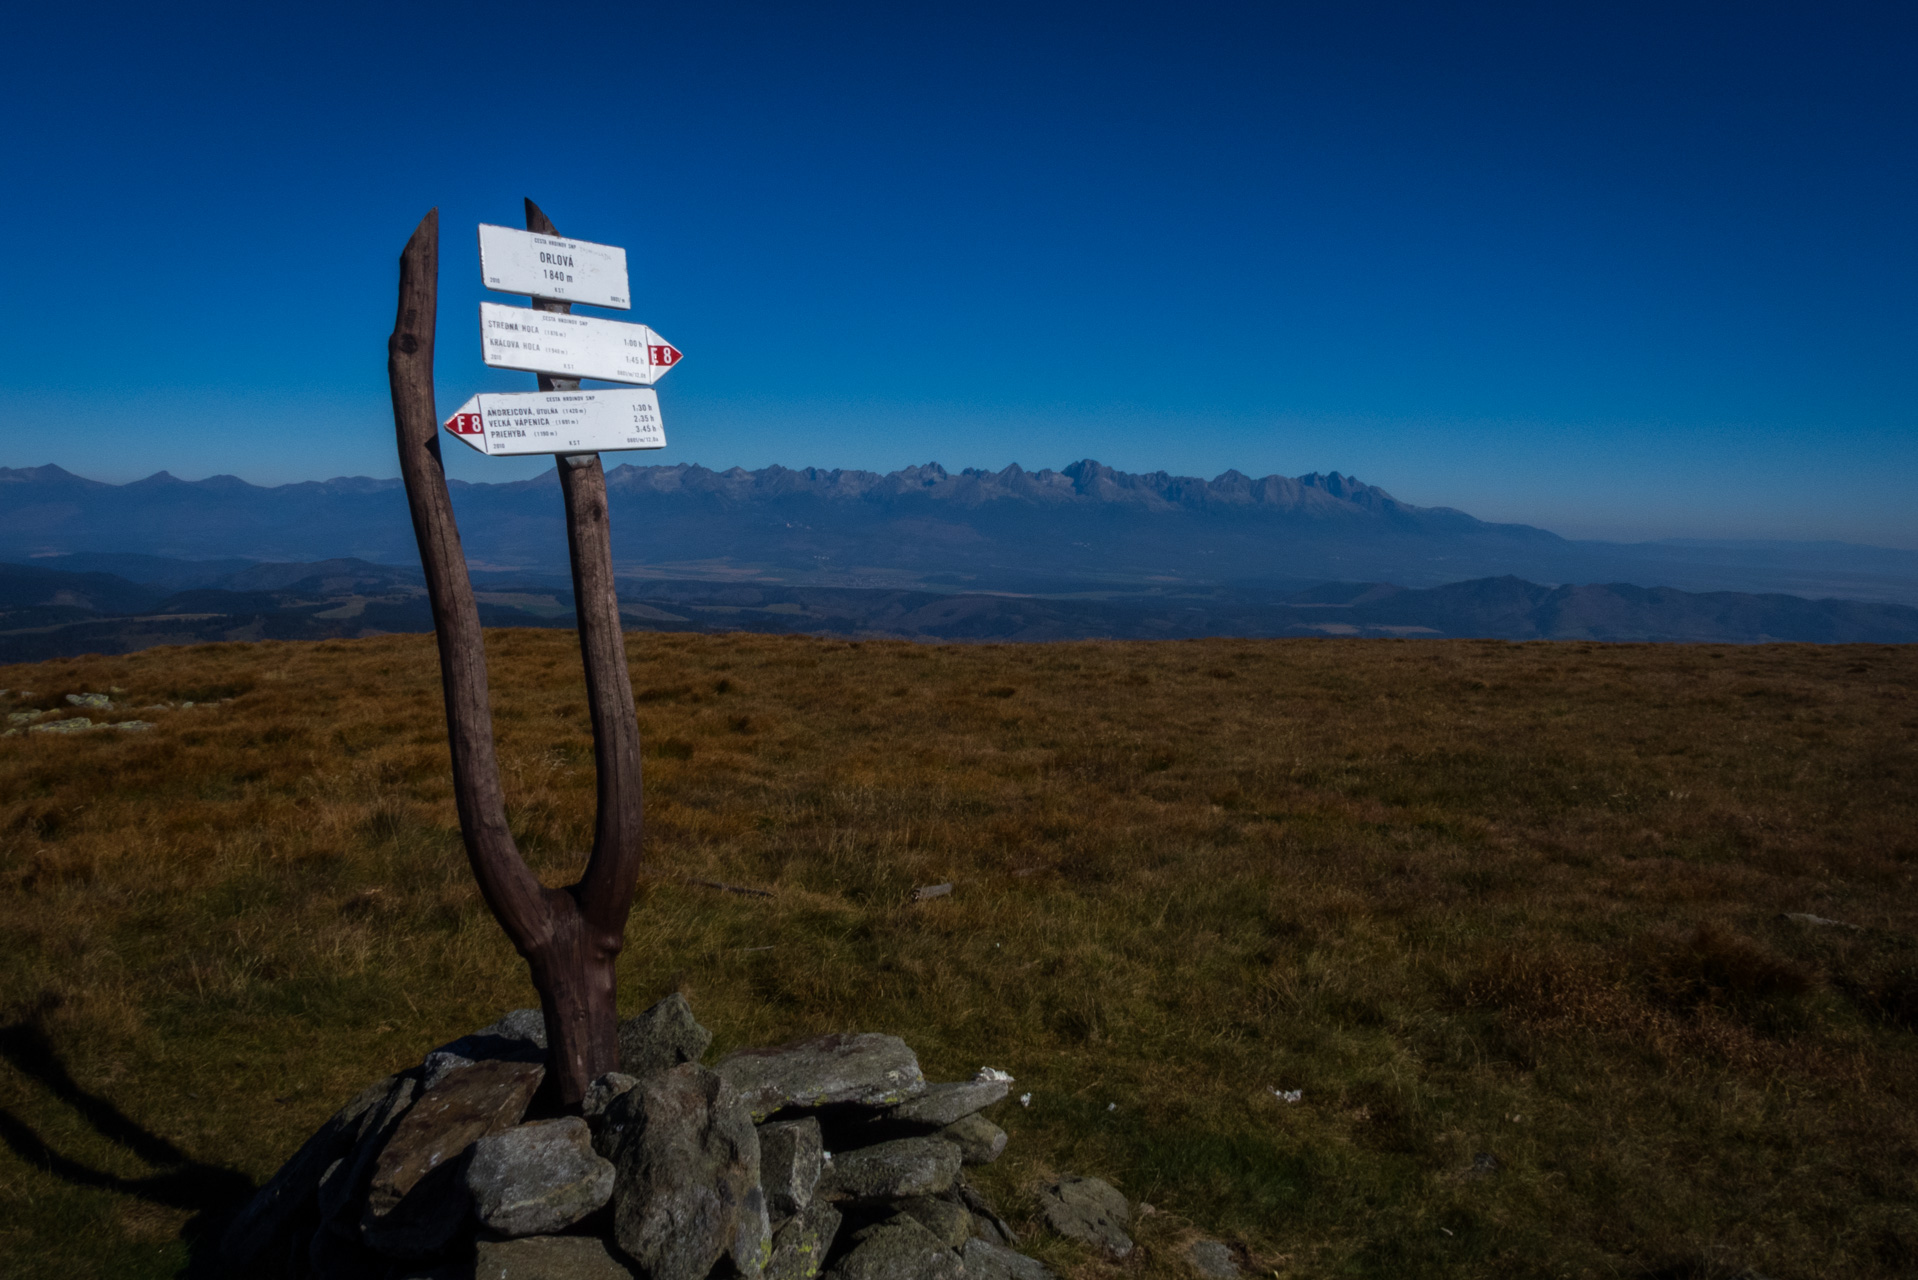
point(1471, 898)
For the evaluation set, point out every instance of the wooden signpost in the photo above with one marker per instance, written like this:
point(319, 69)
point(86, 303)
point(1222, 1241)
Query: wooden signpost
point(570, 937)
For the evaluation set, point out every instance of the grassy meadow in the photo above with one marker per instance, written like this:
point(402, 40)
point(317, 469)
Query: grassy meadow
point(1508, 917)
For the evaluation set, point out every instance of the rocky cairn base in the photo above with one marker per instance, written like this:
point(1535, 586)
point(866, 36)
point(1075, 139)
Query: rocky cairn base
point(831, 1155)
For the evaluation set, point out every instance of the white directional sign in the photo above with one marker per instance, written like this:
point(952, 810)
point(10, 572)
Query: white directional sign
point(512, 422)
point(573, 346)
point(515, 261)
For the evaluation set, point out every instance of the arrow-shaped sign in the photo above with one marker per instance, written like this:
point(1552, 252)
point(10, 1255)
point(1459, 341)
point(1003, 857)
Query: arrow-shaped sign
point(511, 422)
point(570, 346)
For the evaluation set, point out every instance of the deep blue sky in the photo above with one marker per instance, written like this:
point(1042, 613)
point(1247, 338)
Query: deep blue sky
point(1618, 270)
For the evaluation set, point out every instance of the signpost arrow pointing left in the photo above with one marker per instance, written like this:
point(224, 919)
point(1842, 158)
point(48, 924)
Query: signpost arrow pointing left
point(516, 422)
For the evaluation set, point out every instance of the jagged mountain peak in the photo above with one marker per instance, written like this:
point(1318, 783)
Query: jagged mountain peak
point(48, 476)
point(1085, 481)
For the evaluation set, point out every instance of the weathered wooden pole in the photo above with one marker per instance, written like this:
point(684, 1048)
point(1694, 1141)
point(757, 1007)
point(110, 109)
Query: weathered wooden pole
point(570, 937)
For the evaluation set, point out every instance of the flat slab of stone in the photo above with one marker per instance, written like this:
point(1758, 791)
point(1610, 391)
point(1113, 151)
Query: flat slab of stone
point(548, 1258)
point(1212, 1259)
point(988, 1261)
point(687, 1189)
point(800, 1246)
point(891, 1170)
point(946, 1101)
point(791, 1154)
point(536, 1179)
point(414, 1203)
point(1089, 1211)
point(661, 1038)
point(899, 1249)
point(294, 1190)
point(979, 1140)
point(343, 1185)
point(873, 1070)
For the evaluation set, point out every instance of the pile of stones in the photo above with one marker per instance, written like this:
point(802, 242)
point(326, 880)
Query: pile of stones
point(830, 1156)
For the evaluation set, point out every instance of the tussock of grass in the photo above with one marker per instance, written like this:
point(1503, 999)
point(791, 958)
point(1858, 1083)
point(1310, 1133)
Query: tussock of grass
point(1472, 899)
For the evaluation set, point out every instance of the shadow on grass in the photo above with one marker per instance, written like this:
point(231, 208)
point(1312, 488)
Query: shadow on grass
point(212, 1194)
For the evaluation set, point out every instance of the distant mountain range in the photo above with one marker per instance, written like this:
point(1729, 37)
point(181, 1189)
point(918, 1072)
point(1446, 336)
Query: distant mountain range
point(1084, 528)
point(90, 608)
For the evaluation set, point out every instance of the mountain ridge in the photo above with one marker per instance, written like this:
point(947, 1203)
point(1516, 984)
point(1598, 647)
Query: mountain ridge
point(1085, 525)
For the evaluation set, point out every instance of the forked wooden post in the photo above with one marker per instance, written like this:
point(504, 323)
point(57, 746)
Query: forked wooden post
point(570, 937)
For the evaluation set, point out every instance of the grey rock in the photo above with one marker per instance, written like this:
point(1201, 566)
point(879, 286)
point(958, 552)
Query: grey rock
point(292, 1193)
point(1089, 1211)
point(661, 1038)
point(791, 1154)
point(943, 1103)
point(519, 1036)
point(687, 1190)
point(77, 724)
point(601, 1092)
point(1212, 1259)
point(548, 1258)
point(979, 1140)
point(899, 1249)
point(1817, 922)
point(520, 1024)
point(891, 1170)
point(800, 1247)
point(875, 1070)
point(440, 1064)
point(988, 1261)
point(947, 1219)
point(536, 1179)
point(415, 1203)
point(343, 1185)
point(95, 700)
